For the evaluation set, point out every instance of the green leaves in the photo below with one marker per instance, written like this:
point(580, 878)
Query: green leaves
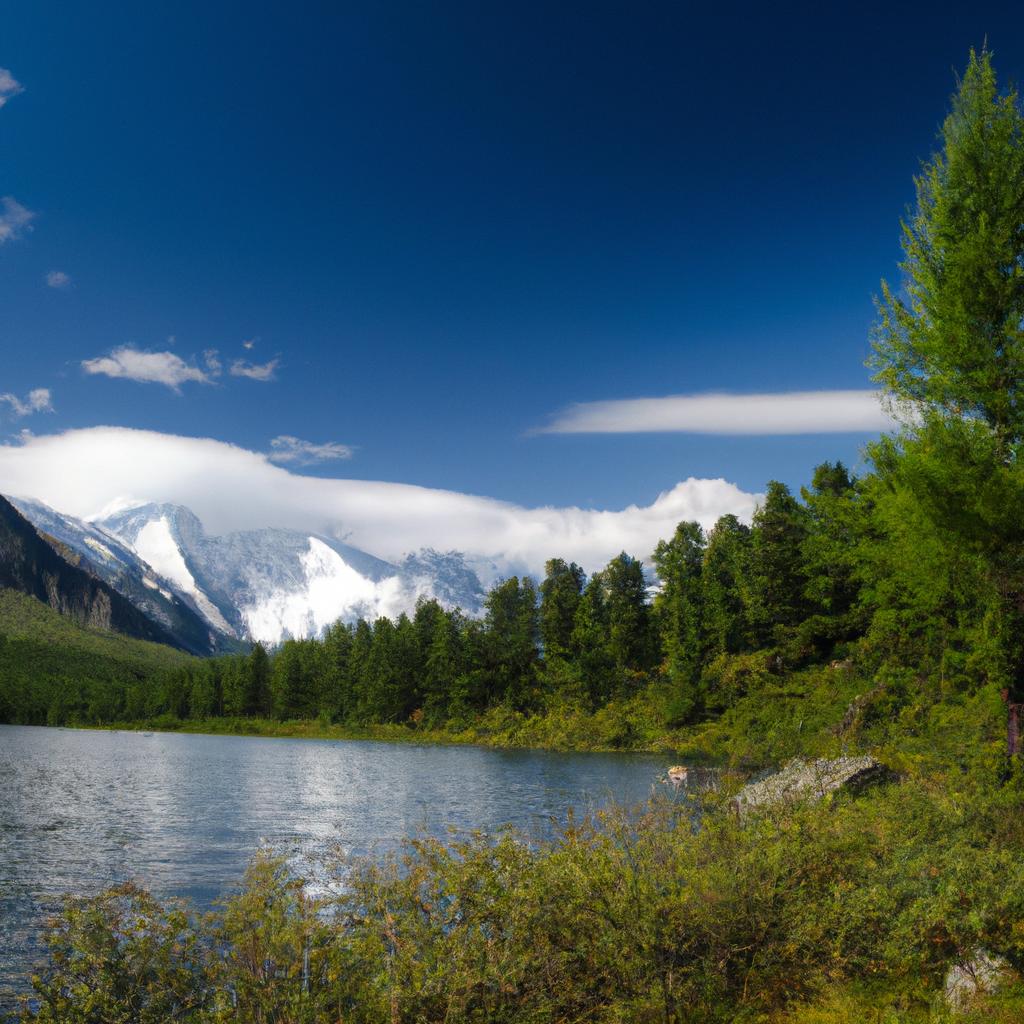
point(628, 914)
point(125, 957)
point(954, 345)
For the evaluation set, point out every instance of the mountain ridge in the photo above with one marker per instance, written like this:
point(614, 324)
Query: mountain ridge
point(31, 566)
point(263, 585)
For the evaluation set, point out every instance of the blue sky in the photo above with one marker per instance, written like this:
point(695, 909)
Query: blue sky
point(441, 225)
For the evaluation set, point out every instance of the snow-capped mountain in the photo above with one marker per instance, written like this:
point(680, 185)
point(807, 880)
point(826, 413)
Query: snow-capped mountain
point(261, 585)
point(117, 564)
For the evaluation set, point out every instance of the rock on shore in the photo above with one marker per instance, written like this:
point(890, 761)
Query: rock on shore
point(810, 780)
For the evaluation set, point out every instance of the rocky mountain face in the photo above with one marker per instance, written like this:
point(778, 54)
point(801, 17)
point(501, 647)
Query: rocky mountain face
point(263, 585)
point(32, 566)
point(117, 564)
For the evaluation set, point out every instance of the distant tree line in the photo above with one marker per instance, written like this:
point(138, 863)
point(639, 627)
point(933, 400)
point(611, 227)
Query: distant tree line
point(791, 585)
point(590, 638)
point(850, 563)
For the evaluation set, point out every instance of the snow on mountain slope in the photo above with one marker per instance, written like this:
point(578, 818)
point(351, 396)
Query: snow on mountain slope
point(118, 564)
point(271, 584)
point(155, 544)
point(332, 590)
point(263, 585)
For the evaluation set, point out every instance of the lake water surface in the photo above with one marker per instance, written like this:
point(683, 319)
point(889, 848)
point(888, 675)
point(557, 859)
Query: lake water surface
point(183, 813)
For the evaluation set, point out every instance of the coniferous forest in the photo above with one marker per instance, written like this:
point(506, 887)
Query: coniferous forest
point(797, 587)
point(879, 611)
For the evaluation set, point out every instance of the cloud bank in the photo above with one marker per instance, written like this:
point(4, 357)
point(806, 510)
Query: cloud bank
point(14, 219)
point(795, 412)
point(306, 453)
point(149, 367)
point(85, 472)
point(37, 401)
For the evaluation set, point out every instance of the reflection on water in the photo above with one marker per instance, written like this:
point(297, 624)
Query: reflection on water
point(183, 814)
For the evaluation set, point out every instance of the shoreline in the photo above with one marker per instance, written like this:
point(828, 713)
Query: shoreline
point(526, 738)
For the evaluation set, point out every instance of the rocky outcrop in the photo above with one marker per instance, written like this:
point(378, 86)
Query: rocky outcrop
point(810, 781)
point(969, 981)
point(30, 565)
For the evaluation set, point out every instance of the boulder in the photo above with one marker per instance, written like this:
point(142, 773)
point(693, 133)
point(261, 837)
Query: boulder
point(969, 980)
point(809, 780)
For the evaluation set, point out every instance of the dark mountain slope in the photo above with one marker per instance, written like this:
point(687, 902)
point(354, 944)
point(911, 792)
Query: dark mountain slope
point(29, 565)
point(118, 564)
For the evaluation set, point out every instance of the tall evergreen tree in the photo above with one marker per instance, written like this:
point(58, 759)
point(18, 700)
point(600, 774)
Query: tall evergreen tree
point(513, 635)
point(446, 668)
point(294, 680)
point(776, 576)
point(336, 698)
point(594, 664)
point(359, 671)
point(723, 587)
point(258, 692)
point(830, 549)
point(560, 597)
point(679, 607)
point(953, 350)
point(380, 675)
point(955, 345)
point(631, 640)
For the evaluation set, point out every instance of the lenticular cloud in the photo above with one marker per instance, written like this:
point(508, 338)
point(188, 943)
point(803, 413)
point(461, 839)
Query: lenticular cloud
point(86, 472)
point(796, 412)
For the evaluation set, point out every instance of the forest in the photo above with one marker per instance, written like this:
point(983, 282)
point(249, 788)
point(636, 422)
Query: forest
point(853, 567)
point(878, 611)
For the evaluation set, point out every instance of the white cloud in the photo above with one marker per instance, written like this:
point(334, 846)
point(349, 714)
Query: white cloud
point(240, 368)
point(146, 367)
point(58, 279)
point(37, 401)
point(81, 472)
point(8, 86)
point(13, 219)
point(795, 412)
point(305, 453)
point(213, 364)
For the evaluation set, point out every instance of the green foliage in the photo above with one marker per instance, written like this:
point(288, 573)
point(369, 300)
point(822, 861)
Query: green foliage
point(53, 671)
point(276, 962)
point(802, 913)
point(123, 956)
point(955, 346)
point(776, 571)
point(512, 640)
point(722, 583)
point(631, 642)
point(560, 598)
point(679, 607)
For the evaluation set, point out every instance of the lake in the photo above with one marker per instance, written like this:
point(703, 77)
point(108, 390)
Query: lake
point(183, 814)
